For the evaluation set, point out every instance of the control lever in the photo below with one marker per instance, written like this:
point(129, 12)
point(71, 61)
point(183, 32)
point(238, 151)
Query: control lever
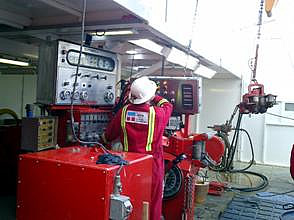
point(175, 161)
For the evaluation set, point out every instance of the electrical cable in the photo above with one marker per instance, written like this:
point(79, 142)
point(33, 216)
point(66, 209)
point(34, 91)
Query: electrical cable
point(75, 83)
point(132, 66)
point(123, 97)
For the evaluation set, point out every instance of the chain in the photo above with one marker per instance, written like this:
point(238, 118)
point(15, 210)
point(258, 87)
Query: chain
point(188, 198)
point(192, 33)
point(258, 39)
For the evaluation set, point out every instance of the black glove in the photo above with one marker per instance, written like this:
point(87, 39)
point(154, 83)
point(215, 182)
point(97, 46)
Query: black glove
point(111, 159)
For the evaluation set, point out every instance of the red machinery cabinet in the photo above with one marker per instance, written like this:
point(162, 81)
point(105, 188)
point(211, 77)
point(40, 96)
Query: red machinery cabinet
point(68, 184)
point(180, 205)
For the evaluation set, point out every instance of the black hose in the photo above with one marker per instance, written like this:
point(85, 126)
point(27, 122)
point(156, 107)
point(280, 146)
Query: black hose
point(234, 142)
point(124, 91)
point(227, 161)
point(252, 153)
point(222, 166)
point(261, 186)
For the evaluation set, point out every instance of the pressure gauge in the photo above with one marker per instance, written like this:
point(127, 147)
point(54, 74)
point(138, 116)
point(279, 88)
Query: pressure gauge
point(101, 63)
point(107, 65)
point(90, 60)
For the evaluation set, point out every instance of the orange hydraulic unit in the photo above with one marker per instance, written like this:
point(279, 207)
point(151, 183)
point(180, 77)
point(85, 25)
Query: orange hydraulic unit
point(69, 184)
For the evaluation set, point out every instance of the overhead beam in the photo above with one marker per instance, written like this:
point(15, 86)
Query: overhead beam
point(64, 6)
point(150, 70)
point(14, 48)
point(14, 20)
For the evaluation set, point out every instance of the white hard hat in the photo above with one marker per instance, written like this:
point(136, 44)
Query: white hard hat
point(142, 90)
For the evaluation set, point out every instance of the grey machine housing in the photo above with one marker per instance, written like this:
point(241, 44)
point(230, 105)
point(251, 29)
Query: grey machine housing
point(57, 67)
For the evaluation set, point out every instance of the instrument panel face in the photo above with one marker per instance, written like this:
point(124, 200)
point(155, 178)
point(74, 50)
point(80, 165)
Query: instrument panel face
point(59, 82)
point(89, 60)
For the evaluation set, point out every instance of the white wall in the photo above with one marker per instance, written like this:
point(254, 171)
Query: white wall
point(254, 125)
point(11, 87)
point(219, 98)
point(272, 136)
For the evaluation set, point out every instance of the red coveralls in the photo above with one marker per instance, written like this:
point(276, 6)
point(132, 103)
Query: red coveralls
point(137, 131)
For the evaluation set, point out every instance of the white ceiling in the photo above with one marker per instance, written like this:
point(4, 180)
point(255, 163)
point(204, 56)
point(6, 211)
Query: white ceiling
point(24, 24)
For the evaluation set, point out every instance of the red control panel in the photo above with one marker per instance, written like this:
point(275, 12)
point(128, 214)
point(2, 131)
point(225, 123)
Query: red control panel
point(182, 92)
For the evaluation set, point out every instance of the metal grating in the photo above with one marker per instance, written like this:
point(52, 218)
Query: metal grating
point(249, 208)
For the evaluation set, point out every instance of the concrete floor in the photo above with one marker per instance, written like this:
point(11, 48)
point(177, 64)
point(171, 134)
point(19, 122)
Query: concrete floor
point(279, 178)
point(279, 181)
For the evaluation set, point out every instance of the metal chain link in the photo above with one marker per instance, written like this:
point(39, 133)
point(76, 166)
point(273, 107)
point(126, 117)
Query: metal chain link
point(188, 198)
point(192, 33)
point(259, 24)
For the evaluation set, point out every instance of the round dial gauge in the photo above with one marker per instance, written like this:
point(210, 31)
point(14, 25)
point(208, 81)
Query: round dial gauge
point(89, 60)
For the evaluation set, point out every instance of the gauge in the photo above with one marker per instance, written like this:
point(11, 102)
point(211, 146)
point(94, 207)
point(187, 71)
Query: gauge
point(107, 65)
point(101, 64)
point(173, 182)
point(90, 60)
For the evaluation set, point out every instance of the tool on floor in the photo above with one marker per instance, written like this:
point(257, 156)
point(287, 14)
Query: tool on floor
point(216, 188)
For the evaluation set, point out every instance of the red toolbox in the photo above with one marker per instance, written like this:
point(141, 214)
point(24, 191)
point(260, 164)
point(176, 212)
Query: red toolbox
point(68, 184)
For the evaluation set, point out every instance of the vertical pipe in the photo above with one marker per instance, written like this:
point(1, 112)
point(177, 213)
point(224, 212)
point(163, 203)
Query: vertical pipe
point(22, 96)
point(187, 124)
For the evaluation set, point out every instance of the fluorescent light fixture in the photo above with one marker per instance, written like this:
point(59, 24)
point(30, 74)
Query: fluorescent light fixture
point(131, 52)
point(192, 62)
point(148, 45)
point(13, 62)
point(111, 32)
point(137, 68)
point(181, 58)
point(205, 72)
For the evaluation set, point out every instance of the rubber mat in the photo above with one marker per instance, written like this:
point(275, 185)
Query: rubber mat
point(249, 208)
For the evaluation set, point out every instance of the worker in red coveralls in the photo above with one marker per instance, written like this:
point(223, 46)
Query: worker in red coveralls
point(140, 126)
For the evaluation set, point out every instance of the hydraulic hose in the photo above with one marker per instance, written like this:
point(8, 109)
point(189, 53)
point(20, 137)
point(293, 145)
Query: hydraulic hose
point(261, 186)
point(11, 113)
point(227, 161)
